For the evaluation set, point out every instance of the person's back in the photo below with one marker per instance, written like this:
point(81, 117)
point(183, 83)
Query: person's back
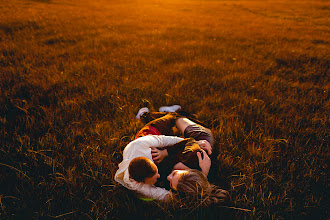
point(141, 148)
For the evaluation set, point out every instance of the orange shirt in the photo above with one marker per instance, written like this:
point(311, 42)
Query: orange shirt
point(147, 130)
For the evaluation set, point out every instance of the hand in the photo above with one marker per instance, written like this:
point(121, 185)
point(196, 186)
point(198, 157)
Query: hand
point(158, 155)
point(205, 163)
point(205, 145)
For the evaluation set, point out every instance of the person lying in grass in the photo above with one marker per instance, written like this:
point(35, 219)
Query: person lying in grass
point(141, 148)
point(138, 171)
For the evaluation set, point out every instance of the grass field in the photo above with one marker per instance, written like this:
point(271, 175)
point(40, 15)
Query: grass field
point(74, 73)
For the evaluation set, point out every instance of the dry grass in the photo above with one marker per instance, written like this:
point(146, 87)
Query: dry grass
point(74, 73)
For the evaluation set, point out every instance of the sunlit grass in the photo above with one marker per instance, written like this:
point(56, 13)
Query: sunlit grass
point(73, 74)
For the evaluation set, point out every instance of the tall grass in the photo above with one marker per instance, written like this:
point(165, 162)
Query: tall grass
point(73, 74)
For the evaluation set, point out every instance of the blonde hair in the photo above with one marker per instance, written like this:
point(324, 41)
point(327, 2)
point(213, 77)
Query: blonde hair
point(193, 186)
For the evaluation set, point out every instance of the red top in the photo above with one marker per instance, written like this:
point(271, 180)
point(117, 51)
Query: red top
point(147, 130)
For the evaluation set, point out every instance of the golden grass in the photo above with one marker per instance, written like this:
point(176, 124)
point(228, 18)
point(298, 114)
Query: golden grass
point(74, 73)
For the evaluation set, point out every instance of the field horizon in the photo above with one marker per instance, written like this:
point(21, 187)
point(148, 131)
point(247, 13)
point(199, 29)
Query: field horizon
point(73, 74)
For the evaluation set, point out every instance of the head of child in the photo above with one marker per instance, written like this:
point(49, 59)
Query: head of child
point(143, 170)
